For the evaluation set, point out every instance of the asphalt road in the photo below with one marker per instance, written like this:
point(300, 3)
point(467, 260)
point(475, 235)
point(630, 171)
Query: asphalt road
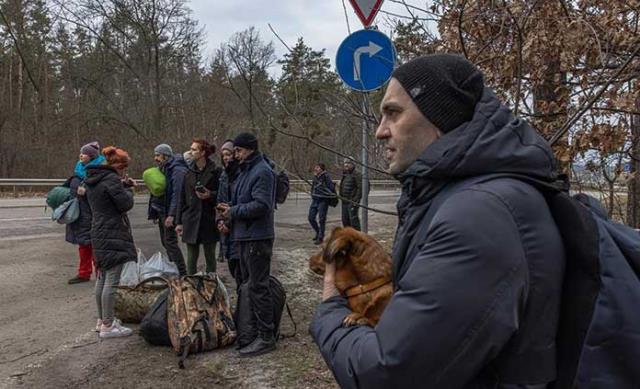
point(23, 219)
point(41, 316)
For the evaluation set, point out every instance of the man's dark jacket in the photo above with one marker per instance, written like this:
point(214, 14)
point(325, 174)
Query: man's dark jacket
point(477, 285)
point(351, 186)
point(253, 201)
point(198, 217)
point(110, 229)
point(322, 187)
point(174, 170)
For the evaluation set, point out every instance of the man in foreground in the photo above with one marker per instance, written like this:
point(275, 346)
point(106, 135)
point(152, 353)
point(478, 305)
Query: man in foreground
point(478, 261)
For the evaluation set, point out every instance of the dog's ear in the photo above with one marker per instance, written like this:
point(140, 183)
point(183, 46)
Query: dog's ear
point(337, 245)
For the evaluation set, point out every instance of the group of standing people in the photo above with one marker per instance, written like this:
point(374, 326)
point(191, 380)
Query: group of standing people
point(202, 202)
point(323, 192)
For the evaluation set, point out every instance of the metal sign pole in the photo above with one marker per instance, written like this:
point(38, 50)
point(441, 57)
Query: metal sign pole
point(365, 164)
point(365, 62)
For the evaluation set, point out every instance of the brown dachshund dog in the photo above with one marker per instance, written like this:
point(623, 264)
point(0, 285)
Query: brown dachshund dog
point(363, 273)
point(316, 263)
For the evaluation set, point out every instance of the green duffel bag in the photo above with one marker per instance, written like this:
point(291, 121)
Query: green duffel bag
point(155, 181)
point(58, 196)
point(133, 302)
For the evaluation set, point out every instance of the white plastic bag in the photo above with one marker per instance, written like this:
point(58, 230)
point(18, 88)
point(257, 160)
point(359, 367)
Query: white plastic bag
point(141, 261)
point(158, 265)
point(129, 274)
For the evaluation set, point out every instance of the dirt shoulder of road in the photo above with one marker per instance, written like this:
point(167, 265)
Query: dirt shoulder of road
point(87, 362)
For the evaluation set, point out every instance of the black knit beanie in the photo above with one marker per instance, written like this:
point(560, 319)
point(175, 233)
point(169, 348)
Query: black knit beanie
point(445, 87)
point(246, 140)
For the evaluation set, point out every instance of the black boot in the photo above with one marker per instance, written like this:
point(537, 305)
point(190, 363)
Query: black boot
point(264, 343)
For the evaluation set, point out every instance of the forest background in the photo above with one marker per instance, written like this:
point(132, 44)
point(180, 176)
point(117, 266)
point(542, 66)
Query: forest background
point(133, 73)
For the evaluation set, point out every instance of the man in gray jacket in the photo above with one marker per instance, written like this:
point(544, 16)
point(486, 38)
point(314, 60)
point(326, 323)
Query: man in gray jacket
point(478, 261)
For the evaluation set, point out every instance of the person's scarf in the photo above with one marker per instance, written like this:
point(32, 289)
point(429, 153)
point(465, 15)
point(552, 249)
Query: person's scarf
point(81, 168)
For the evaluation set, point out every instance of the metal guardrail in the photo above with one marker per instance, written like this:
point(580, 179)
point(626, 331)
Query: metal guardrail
point(296, 185)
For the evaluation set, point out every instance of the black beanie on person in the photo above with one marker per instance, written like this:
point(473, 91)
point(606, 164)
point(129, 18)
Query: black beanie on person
point(246, 140)
point(445, 87)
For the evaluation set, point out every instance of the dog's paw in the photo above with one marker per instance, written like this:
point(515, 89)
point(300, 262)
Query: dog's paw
point(355, 319)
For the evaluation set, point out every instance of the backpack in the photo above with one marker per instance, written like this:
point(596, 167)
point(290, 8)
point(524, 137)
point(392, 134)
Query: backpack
point(245, 319)
point(198, 315)
point(155, 181)
point(282, 187)
point(67, 212)
point(57, 196)
point(154, 328)
point(597, 342)
point(334, 200)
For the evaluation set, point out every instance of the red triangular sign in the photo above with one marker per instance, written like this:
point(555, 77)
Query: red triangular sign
point(366, 10)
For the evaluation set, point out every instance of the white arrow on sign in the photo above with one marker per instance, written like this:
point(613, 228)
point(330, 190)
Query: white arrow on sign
point(372, 50)
point(366, 10)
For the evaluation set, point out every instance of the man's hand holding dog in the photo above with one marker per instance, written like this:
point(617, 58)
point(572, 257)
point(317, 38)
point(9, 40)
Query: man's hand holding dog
point(329, 288)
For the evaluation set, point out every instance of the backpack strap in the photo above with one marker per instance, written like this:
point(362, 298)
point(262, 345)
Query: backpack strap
point(295, 326)
point(185, 345)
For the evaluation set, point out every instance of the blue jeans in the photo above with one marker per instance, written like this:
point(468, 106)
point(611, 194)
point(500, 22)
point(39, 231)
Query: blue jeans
point(318, 209)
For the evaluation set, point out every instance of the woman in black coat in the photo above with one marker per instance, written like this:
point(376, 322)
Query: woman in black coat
point(196, 216)
point(110, 197)
point(79, 232)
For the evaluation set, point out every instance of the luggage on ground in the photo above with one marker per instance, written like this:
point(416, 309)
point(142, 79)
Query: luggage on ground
point(154, 328)
point(198, 315)
point(133, 302)
point(245, 319)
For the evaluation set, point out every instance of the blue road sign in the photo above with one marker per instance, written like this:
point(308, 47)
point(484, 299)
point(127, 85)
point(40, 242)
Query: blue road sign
point(365, 60)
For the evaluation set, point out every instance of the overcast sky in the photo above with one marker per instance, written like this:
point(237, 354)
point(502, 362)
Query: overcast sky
point(321, 23)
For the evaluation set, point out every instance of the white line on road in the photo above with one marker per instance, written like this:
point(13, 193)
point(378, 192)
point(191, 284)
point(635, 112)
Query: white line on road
point(24, 219)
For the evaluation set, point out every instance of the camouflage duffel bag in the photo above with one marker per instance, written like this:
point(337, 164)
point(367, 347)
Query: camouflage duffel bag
point(198, 315)
point(133, 302)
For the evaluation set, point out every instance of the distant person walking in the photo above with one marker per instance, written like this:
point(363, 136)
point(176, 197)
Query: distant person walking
point(196, 215)
point(350, 194)
point(110, 196)
point(79, 232)
point(322, 189)
point(165, 208)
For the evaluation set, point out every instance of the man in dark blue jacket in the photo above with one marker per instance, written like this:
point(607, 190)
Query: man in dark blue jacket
point(478, 261)
point(322, 189)
point(164, 209)
point(251, 213)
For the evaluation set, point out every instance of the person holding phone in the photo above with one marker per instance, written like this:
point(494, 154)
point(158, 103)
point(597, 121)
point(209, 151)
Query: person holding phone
point(110, 196)
point(251, 211)
point(196, 216)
